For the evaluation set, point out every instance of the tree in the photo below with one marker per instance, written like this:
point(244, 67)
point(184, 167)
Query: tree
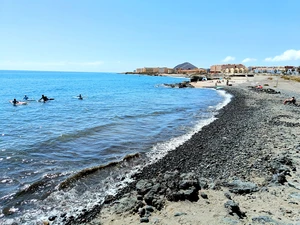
point(298, 69)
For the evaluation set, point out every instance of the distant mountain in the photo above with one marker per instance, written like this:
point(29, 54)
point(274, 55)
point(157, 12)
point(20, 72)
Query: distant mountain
point(185, 66)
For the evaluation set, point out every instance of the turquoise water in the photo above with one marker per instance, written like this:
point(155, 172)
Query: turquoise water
point(45, 143)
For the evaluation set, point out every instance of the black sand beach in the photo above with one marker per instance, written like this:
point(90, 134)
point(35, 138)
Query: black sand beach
point(250, 152)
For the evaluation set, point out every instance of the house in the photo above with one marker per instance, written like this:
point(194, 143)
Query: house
point(228, 68)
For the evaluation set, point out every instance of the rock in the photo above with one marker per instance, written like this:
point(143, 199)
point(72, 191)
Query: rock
point(264, 189)
point(144, 220)
point(138, 204)
point(148, 198)
point(143, 186)
point(233, 207)
point(295, 195)
point(158, 203)
point(171, 175)
point(175, 196)
point(186, 184)
point(203, 183)
point(281, 179)
point(139, 197)
point(141, 211)
point(263, 220)
point(51, 218)
point(294, 185)
point(125, 204)
point(227, 195)
point(108, 199)
point(191, 194)
point(203, 195)
point(180, 214)
point(149, 208)
point(230, 221)
point(240, 187)
point(156, 188)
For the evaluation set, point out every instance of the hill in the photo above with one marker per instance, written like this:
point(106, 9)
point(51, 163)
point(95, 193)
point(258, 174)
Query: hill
point(185, 66)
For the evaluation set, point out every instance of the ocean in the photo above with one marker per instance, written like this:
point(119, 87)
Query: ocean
point(66, 155)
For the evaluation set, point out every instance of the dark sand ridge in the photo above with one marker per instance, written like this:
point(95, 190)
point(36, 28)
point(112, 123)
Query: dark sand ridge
point(254, 135)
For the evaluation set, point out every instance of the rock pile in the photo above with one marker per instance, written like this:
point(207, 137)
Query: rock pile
point(150, 194)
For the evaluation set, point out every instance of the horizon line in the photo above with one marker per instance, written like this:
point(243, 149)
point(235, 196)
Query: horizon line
point(66, 71)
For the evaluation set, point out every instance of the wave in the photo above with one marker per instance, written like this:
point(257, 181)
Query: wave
point(227, 99)
point(88, 171)
point(77, 190)
point(161, 149)
point(38, 190)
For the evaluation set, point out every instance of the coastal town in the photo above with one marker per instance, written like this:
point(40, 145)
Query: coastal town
point(226, 69)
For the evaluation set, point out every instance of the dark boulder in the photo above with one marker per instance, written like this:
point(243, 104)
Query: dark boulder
point(233, 208)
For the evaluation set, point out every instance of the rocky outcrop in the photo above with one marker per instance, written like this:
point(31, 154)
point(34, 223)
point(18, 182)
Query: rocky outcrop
point(184, 84)
point(150, 194)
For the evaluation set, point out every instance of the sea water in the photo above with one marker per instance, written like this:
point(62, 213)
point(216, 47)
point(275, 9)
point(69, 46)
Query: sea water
point(43, 145)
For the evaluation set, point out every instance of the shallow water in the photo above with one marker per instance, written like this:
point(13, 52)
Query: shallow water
point(42, 144)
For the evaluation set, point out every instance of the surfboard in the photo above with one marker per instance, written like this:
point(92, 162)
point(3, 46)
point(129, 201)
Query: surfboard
point(79, 98)
point(41, 100)
point(19, 103)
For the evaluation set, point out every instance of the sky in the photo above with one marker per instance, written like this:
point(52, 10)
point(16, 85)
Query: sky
point(122, 35)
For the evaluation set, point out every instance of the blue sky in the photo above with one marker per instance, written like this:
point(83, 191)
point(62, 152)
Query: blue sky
point(122, 35)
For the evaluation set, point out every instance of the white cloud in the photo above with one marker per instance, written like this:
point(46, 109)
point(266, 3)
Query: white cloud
point(248, 60)
point(228, 58)
point(286, 56)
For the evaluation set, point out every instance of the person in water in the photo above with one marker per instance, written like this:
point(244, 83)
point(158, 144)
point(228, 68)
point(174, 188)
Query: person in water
point(290, 100)
point(80, 97)
point(44, 98)
point(25, 97)
point(15, 101)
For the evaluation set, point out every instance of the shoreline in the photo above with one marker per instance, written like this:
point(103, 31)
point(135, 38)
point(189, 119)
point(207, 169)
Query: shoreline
point(247, 143)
